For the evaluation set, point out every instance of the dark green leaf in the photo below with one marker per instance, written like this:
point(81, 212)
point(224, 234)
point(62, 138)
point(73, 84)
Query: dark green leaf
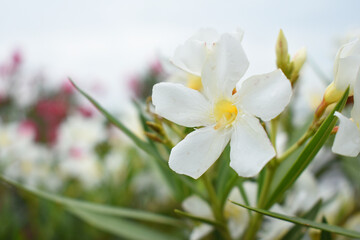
point(197, 218)
point(97, 208)
point(305, 222)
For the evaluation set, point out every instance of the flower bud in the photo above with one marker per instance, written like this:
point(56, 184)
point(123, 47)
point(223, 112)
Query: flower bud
point(332, 94)
point(156, 127)
point(154, 137)
point(282, 56)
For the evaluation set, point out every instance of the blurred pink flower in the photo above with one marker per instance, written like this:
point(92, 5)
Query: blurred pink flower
point(67, 87)
point(156, 67)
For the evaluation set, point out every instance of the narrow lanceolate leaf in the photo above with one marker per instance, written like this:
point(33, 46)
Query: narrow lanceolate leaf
point(308, 153)
point(298, 231)
point(98, 208)
point(197, 218)
point(305, 222)
point(121, 227)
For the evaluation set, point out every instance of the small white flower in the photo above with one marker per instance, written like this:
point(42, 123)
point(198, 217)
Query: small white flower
point(80, 132)
point(222, 114)
point(347, 139)
point(237, 217)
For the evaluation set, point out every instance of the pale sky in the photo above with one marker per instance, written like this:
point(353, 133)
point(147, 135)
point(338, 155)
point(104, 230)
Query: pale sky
point(110, 40)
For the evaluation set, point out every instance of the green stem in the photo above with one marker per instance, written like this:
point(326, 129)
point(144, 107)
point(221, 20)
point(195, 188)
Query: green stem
point(274, 127)
point(216, 207)
point(228, 187)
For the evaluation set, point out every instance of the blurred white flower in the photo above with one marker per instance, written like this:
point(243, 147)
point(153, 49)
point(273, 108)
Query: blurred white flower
point(115, 165)
point(237, 217)
point(300, 198)
point(222, 114)
point(81, 133)
point(34, 169)
point(13, 139)
point(83, 166)
point(347, 139)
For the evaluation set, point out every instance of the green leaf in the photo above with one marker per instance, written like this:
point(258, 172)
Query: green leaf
point(98, 208)
point(308, 153)
point(297, 232)
point(120, 227)
point(305, 222)
point(325, 235)
point(197, 218)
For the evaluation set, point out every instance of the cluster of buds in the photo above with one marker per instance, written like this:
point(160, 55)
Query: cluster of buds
point(290, 67)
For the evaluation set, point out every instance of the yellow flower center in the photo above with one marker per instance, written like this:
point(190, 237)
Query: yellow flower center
point(225, 113)
point(194, 82)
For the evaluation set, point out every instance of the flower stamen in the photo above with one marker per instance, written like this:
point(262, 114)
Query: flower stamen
point(225, 113)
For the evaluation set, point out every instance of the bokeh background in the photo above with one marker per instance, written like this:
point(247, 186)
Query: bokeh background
point(52, 138)
point(110, 41)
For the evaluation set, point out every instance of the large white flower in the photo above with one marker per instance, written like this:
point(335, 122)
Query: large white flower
point(222, 114)
point(347, 139)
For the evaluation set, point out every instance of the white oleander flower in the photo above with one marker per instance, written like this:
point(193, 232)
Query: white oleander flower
point(80, 132)
point(347, 63)
point(191, 56)
point(82, 165)
point(221, 114)
point(237, 217)
point(347, 139)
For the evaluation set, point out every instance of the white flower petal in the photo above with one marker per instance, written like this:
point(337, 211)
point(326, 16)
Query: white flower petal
point(265, 95)
point(349, 49)
point(206, 35)
point(197, 207)
point(201, 231)
point(347, 72)
point(190, 56)
point(198, 151)
point(355, 113)
point(182, 105)
point(250, 147)
point(224, 67)
point(238, 34)
point(347, 139)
